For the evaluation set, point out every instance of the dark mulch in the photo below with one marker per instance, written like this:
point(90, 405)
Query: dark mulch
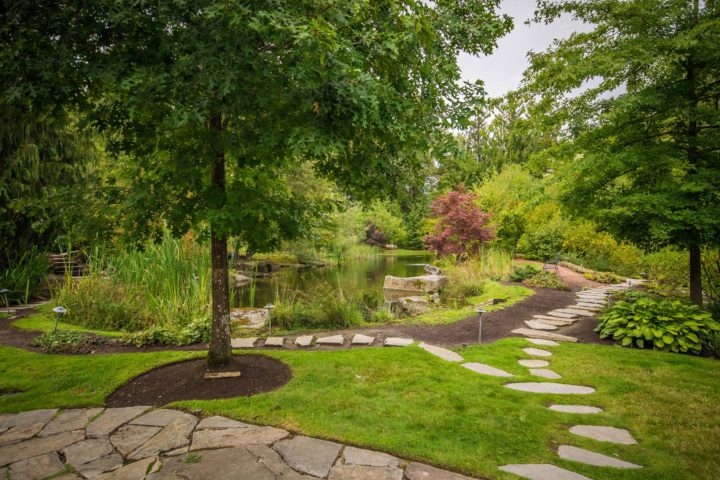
point(184, 381)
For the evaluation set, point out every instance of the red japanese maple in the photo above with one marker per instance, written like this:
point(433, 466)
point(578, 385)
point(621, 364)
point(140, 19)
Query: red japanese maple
point(462, 225)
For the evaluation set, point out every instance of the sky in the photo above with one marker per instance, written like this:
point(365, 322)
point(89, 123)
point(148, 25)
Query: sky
point(502, 71)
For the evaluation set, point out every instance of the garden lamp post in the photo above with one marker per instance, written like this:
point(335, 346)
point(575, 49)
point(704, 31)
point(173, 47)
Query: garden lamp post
point(4, 292)
point(59, 313)
point(480, 312)
point(608, 295)
point(269, 308)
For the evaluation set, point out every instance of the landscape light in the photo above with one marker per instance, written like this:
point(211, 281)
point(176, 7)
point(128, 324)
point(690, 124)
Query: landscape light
point(59, 313)
point(269, 308)
point(480, 312)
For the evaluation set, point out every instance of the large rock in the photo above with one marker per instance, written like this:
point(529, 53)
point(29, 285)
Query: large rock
point(410, 306)
point(423, 283)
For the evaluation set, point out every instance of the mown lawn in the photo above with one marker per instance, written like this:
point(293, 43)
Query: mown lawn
point(409, 403)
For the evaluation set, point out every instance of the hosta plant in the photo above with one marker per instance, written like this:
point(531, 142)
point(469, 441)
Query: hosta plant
point(660, 324)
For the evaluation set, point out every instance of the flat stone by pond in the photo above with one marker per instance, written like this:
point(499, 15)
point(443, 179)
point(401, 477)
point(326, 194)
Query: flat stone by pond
point(588, 457)
point(546, 387)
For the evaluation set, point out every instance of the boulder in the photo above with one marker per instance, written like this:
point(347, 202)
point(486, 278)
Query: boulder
point(241, 279)
point(410, 306)
point(422, 283)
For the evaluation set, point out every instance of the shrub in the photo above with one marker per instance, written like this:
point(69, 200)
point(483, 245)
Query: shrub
point(467, 278)
point(523, 272)
point(667, 271)
point(65, 341)
point(25, 276)
point(546, 279)
point(604, 277)
point(659, 324)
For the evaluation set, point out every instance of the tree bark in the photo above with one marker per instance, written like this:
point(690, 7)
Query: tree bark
point(696, 292)
point(220, 351)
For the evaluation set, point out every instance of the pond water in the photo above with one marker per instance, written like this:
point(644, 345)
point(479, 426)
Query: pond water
point(365, 275)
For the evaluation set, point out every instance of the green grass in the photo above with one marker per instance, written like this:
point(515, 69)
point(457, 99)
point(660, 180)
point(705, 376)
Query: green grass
point(45, 323)
point(404, 252)
point(411, 404)
point(512, 294)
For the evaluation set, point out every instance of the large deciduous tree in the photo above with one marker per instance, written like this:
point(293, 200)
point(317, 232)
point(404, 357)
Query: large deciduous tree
point(645, 163)
point(213, 100)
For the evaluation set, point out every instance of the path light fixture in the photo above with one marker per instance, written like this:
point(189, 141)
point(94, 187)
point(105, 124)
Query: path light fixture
point(269, 308)
point(4, 292)
point(59, 313)
point(608, 294)
point(480, 312)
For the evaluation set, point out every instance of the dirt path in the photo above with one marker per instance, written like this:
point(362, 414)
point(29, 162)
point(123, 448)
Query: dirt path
point(572, 279)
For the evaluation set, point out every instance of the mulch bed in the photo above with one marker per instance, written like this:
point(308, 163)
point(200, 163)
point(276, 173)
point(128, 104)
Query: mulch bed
point(184, 381)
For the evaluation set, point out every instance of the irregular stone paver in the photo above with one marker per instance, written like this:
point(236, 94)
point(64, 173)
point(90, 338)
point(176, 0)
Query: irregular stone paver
point(275, 342)
point(604, 434)
point(364, 472)
point(529, 332)
point(236, 437)
point(538, 325)
point(20, 433)
point(440, 352)
point(542, 471)
point(309, 455)
point(111, 419)
point(304, 340)
point(246, 342)
point(419, 471)
point(129, 437)
point(87, 451)
point(38, 446)
point(545, 387)
point(486, 369)
point(587, 457)
point(100, 466)
point(360, 339)
point(175, 434)
point(359, 456)
point(397, 342)
point(560, 314)
point(36, 468)
point(576, 311)
point(163, 417)
point(590, 307)
point(544, 373)
point(212, 423)
point(534, 363)
point(542, 341)
point(331, 340)
point(558, 322)
point(24, 419)
point(70, 420)
point(272, 460)
point(537, 352)
point(132, 471)
point(581, 409)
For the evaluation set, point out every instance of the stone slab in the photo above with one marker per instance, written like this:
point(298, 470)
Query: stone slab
point(246, 342)
point(86, 451)
point(214, 423)
point(444, 353)
point(529, 332)
point(534, 363)
point(163, 417)
point(274, 462)
point(360, 339)
point(364, 472)
point(560, 314)
point(542, 341)
point(24, 432)
point(331, 340)
point(24, 419)
point(133, 471)
point(68, 420)
point(576, 311)
point(484, 369)
point(397, 342)
point(554, 388)
point(176, 434)
point(100, 466)
point(538, 325)
point(419, 471)
point(590, 307)
point(587, 457)
point(579, 409)
point(304, 340)
point(604, 434)
point(218, 375)
point(359, 456)
point(128, 438)
point(111, 419)
point(275, 342)
point(236, 437)
point(36, 468)
point(38, 446)
point(537, 352)
point(542, 471)
point(544, 373)
point(554, 320)
point(309, 455)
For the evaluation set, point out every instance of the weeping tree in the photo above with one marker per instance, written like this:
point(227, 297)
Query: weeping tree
point(213, 100)
point(639, 93)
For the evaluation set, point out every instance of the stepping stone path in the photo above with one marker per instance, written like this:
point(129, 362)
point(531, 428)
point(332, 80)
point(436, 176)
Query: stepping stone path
point(275, 342)
point(486, 369)
point(397, 342)
point(542, 341)
point(538, 325)
point(304, 340)
point(588, 304)
point(443, 353)
point(360, 339)
point(248, 342)
point(164, 444)
point(331, 340)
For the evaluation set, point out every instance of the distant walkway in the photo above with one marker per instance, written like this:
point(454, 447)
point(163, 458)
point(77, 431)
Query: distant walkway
point(574, 280)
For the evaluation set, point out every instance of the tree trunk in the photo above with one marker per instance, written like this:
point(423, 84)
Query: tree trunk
point(220, 351)
point(696, 293)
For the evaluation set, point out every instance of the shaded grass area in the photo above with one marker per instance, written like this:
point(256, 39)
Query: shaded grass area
point(42, 322)
point(411, 404)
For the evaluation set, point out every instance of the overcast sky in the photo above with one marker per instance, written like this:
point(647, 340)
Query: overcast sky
point(502, 71)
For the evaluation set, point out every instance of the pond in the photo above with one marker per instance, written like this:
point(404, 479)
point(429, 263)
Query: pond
point(364, 275)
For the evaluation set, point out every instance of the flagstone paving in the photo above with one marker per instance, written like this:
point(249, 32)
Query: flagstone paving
point(543, 335)
point(538, 325)
point(136, 444)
